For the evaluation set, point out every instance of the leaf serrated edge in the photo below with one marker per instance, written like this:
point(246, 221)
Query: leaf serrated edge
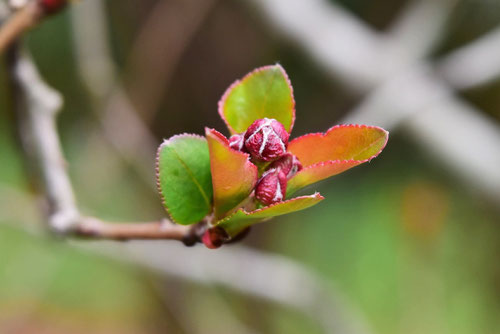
point(359, 126)
point(157, 167)
point(316, 195)
point(222, 101)
point(324, 134)
point(225, 142)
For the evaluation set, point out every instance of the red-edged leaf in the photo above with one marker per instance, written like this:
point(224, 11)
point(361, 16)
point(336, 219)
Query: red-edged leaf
point(318, 172)
point(340, 148)
point(233, 175)
point(341, 142)
point(241, 219)
point(265, 92)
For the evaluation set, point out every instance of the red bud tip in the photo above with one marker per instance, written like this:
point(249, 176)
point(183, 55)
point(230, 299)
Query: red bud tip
point(288, 164)
point(266, 139)
point(271, 188)
point(237, 141)
point(214, 237)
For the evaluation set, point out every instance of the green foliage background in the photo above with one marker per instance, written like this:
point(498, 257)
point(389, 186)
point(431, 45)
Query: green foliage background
point(415, 250)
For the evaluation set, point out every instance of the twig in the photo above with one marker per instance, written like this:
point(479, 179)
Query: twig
point(259, 274)
point(165, 229)
point(39, 126)
point(22, 20)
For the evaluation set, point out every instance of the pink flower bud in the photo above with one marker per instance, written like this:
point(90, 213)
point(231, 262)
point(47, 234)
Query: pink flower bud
point(237, 141)
point(288, 164)
point(266, 139)
point(214, 237)
point(271, 188)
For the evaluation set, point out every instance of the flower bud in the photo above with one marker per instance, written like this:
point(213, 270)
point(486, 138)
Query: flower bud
point(237, 141)
point(52, 6)
point(288, 164)
point(266, 139)
point(214, 237)
point(271, 188)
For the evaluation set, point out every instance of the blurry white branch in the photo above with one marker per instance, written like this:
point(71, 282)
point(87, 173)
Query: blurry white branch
point(258, 274)
point(42, 104)
point(37, 108)
point(254, 273)
point(121, 124)
point(413, 39)
point(474, 64)
point(339, 42)
point(405, 93)
point(454, 132)
point(91, 47)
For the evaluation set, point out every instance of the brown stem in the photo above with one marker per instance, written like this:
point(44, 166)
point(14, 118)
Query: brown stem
point(164, 229)
point(19, 22)
point(37, 127)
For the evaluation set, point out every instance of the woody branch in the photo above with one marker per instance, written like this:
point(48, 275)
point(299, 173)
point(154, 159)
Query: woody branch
point(38, 130)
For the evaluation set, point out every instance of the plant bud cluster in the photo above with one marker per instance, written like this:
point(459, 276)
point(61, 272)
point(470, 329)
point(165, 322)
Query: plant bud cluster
point(266, 140)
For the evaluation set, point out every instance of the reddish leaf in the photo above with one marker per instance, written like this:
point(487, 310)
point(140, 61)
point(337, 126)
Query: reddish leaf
point(341, 142)
point(233, 175)
point(318, 172)
point(340, 148)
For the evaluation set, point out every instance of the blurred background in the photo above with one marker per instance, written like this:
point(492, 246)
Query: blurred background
point(408, 243)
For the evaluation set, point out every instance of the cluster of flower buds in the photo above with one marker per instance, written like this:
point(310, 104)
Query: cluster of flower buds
point(266, 140)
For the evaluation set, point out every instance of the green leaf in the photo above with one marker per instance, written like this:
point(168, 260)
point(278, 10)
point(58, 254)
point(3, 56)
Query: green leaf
point(340, 148)
point(241, 219)
point(233, 175)
point(183, 176)
point(264, 92)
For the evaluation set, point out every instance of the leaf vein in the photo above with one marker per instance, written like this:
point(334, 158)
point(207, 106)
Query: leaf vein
point(193, 178)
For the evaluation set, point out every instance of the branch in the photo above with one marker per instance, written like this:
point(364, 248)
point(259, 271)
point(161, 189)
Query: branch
point(413, 39)
point(474, 64)
point(259, 274)
point(164, 229)
point(39, 129)
point(339, 42)
point(22, 20)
